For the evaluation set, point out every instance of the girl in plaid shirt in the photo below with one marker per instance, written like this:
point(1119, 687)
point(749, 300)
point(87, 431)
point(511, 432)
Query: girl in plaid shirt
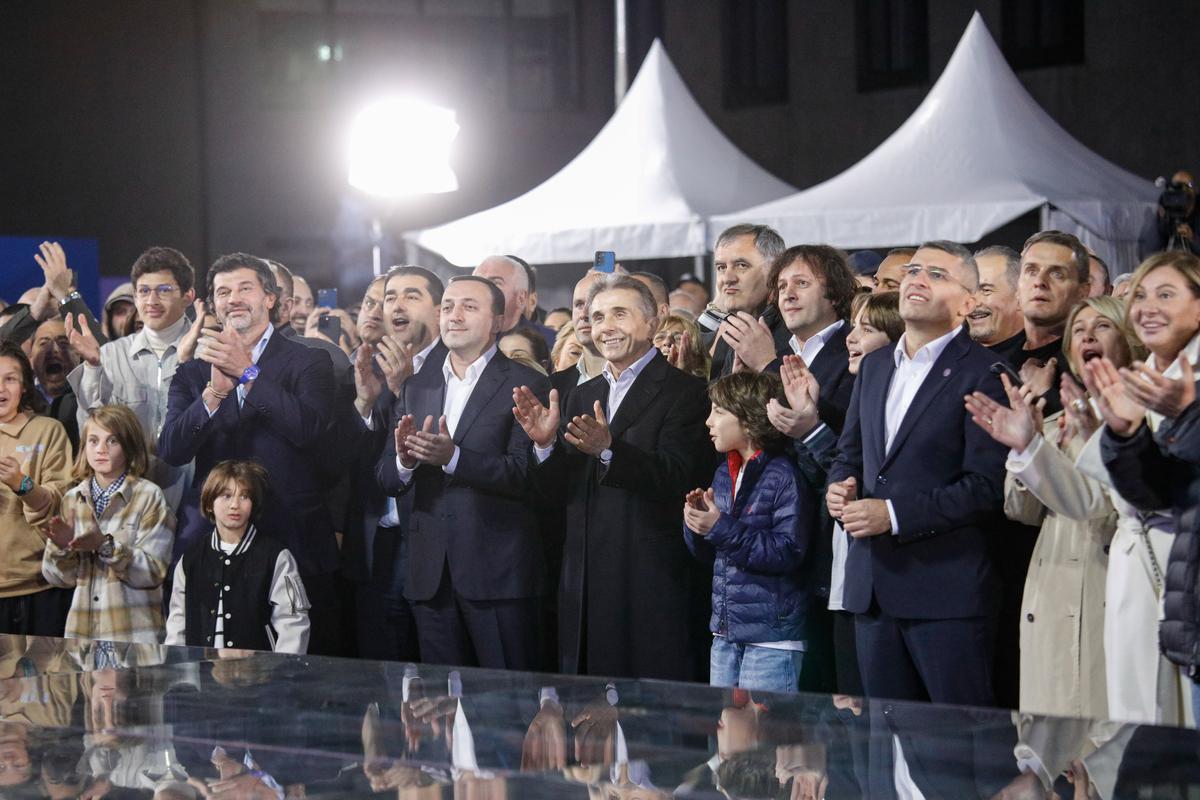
point(112, 543)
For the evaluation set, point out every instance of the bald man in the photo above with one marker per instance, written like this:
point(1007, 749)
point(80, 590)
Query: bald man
point(513, 282)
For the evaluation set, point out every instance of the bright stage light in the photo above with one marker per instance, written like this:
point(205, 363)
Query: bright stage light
point(401, 147)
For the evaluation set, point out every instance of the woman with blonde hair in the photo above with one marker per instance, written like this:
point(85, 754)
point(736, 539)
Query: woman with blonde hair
point(1088, 640)
point(1151, 440)
point(678, 338)
point(567, 349)
point(112, 542)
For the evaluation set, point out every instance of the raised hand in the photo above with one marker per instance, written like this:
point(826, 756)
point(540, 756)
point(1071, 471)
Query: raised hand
point(395, 361)
point(1150, 388)
point(187, 344)
point(1038, 377)
point(539, 422)
point(53, 261)
point(367, 385)
point(11, 474)
point(1120, 411)
point(61, 532)
point(839, 494)
point(428, 447)
point(700, 512)
point(590, 435)
point(1078, 417)
point(405, 428)
point(1014, 426)
point(82, 340)
point(802, 390)
point(225, 351)
point(751, 339)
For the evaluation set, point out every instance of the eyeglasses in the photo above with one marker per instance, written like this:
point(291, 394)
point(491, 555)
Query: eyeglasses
point(162, 290)
point(936, 274)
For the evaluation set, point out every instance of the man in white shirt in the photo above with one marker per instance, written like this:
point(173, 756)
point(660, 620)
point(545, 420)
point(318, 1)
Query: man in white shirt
point(137, 370)
point(916, 485)
point(476, 565)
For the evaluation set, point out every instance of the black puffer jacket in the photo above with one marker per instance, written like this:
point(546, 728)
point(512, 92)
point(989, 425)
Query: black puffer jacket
point(1158, 472)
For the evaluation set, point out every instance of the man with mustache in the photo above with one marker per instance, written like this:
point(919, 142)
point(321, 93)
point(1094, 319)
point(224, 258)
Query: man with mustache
point(249, 394)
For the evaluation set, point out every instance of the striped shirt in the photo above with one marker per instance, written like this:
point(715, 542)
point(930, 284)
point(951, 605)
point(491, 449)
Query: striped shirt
point(117, 598)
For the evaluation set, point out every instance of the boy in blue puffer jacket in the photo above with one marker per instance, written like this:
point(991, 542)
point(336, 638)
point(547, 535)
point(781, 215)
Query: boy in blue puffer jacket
point(753, 526)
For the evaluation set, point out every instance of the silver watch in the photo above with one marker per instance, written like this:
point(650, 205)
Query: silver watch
point(107, 549)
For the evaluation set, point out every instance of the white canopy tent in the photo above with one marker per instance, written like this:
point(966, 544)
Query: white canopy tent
point(977, 153)
point(645, 187)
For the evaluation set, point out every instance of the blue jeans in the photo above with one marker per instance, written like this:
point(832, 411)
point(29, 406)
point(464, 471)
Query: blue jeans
point(746, 666)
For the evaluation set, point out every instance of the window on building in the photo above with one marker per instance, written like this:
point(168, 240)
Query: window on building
point(1042, 33)
point(893, 43)
point(754, 38)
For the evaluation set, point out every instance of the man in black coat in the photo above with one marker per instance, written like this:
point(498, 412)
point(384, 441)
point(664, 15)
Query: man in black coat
point(475, 556)
point(919, 577)
point(250, 394)
point(375, 549)
point(742, 258)
point(628, 588)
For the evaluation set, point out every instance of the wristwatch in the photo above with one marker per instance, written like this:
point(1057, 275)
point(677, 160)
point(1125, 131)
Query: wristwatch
point(250, 374)
point(69, 298)
point(25, 487)
point(106, 550)
point(606, 455)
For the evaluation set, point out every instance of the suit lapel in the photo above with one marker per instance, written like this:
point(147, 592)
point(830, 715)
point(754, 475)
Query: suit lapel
point(939, 374)
point(644, 389)
point(272, 356)
point(492, 379)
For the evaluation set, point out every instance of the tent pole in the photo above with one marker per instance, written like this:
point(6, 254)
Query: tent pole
point(619, 46)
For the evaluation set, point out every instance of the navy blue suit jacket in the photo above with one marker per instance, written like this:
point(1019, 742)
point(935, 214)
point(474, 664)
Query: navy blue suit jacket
point(945, 478)
point(480, 521)
point(280, 425)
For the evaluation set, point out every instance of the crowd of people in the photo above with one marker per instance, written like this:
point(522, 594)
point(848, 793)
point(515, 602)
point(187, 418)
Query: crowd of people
point(970, 478)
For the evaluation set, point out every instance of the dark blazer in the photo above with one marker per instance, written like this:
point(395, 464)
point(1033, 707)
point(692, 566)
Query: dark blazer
point(831, 368)
point(722, 360)
point(367, 502)
point(631, 600)
point(944, 476)
point(280, 426)
point(479, 521)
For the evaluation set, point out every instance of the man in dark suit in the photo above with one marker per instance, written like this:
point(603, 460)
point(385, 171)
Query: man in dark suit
point(813, 287)
point(475, 557)
point(754, 330)
point(249, 394)
point(628, 595)
point(918, 576)
point(375, 550)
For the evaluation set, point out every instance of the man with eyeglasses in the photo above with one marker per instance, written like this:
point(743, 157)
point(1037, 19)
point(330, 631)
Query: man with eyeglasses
point(914, 484)
point(136, 370)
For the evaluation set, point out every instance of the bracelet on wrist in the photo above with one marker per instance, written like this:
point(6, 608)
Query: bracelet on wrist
point(209, 388)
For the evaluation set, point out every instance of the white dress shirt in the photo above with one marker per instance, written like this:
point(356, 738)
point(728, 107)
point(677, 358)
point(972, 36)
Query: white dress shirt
point(906, 381)
point(458, 392)
point(812, 346)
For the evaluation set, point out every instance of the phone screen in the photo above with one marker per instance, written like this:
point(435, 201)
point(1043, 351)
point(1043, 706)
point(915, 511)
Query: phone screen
point(327, 298)
point(606, 261)
point(330, 326)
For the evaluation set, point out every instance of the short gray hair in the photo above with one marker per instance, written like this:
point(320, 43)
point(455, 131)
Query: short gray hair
point(957, 250)
point(613, 282)
point(1079, 253)
point(1124, 277)
point(1012, 262)
point(767, 240)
